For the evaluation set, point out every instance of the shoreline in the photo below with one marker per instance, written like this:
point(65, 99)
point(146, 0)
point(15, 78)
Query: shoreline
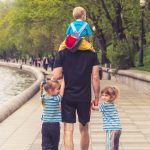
point(9, 107)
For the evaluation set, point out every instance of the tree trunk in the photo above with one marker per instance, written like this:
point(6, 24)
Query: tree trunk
point(118, 26)
point(117, 22)
point(102, 42)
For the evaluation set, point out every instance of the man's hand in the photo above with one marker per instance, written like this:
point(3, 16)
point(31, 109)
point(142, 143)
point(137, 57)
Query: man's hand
point(96, 101)
point(94, 104)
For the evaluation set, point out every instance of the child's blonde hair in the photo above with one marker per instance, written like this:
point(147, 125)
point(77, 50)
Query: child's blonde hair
point(50, 84)
point(78, 12)
point(111, 91)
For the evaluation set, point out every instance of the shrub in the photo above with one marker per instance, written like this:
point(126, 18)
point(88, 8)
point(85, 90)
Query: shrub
point(120, 54)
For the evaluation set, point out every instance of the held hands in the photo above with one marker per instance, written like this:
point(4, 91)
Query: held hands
point(94, 104)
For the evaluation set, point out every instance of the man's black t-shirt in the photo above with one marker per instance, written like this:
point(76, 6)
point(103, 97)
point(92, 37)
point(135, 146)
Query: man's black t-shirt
point(77, 69)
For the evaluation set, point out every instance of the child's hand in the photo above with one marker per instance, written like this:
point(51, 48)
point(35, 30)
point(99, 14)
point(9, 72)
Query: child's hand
point(94, 105)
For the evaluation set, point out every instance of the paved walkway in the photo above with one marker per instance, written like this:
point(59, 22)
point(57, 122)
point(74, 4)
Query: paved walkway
point(21, 131)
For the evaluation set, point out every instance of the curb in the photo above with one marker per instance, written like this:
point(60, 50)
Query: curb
point(137, 80)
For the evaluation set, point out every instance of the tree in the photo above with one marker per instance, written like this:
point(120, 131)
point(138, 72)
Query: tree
point(37, 27)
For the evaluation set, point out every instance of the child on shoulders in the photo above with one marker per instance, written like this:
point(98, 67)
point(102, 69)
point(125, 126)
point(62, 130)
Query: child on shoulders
point(80, 25)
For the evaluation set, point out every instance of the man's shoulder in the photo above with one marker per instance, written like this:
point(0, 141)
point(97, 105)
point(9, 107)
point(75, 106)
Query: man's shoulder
point(76, 52)
point(88, 53)
point(62, 52)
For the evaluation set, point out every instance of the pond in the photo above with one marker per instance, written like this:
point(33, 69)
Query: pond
point(13, 82)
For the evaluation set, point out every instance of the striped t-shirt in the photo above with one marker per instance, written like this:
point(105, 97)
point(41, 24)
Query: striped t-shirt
point(51, 110)
point(111, 119)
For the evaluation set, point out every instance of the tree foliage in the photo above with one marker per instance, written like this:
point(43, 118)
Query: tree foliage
point(37, 27)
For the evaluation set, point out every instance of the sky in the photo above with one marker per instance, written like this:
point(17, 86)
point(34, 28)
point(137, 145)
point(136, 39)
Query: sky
point(5, 0)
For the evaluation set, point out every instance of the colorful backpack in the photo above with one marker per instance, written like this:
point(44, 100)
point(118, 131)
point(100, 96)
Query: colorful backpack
point(73, 40)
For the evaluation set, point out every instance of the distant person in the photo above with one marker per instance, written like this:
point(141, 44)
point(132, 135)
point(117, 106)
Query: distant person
point(52, 60)
point(25, 60)
point(111, 121)
point(31, 61)
point(17, 59)
point(51, 116)
point(8, 59)
point(35, 62)
point(39, 62)
point(45, 63)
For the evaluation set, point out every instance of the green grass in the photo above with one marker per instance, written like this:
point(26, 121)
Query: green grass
point(146, 60)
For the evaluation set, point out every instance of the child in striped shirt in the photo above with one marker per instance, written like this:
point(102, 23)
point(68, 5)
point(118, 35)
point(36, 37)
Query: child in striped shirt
point(111, 121)
point(51, 116)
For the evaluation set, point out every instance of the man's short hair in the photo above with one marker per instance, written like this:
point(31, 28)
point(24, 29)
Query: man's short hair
point(78, 12)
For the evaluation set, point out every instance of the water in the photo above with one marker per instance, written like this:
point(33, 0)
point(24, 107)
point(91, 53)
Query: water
point(13, 82)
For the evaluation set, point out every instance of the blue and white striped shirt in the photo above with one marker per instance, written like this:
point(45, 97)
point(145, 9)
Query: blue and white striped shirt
point(111, 119)
point(51, 110)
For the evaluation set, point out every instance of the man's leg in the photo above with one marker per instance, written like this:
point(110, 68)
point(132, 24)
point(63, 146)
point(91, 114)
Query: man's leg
point(84, 142)
point(68, 136)
point(83, 111)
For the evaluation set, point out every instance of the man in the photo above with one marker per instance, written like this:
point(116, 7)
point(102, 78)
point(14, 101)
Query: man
point(78, 69)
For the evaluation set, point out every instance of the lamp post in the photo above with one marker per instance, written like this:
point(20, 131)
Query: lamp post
point(142, 35)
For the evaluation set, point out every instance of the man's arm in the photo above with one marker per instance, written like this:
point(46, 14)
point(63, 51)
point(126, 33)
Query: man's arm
point(58, 67)
point(62, 88)
point(96, 84)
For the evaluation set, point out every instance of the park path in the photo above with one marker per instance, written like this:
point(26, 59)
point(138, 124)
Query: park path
point(21, 131)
